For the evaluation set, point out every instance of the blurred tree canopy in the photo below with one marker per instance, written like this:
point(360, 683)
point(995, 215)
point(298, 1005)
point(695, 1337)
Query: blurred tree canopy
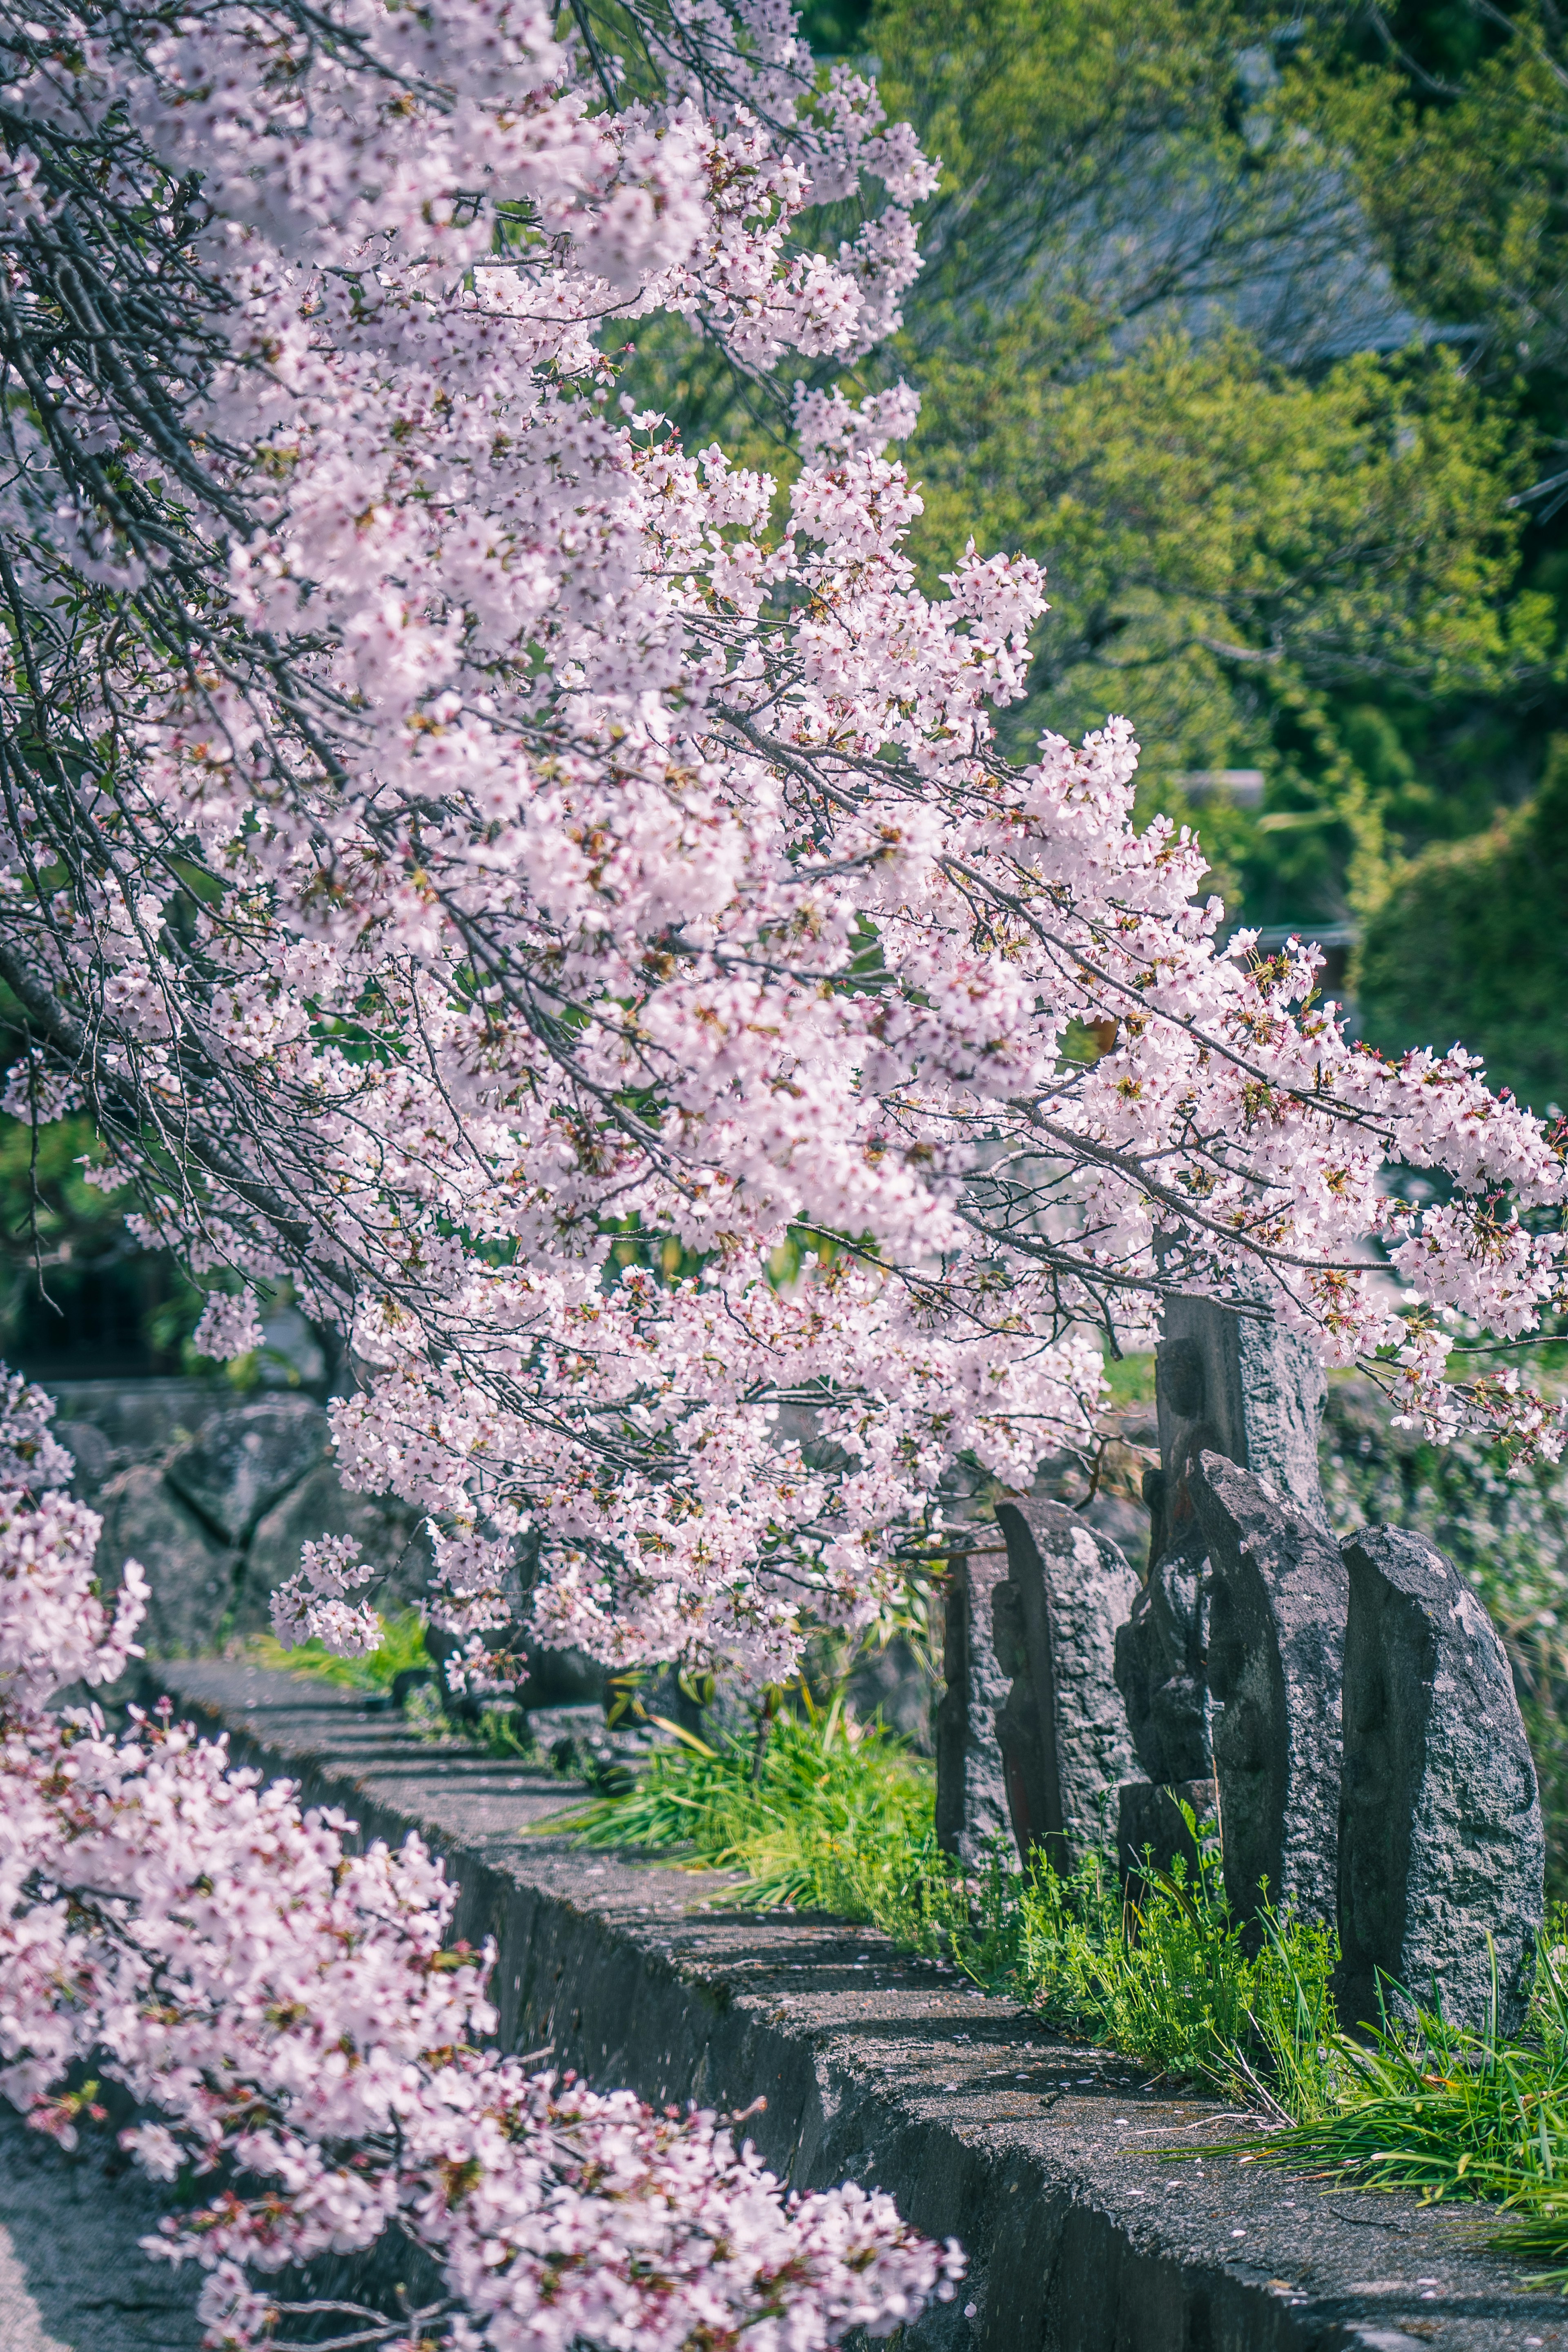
point(1473, 947)
point(1254, 329)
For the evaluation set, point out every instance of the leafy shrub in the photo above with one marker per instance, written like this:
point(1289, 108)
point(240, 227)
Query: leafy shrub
point(1471, 945)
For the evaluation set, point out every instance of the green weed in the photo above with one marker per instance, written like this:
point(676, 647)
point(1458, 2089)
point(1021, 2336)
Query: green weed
point(402, 1645)
point(833, 1816)
point(829, 1816)
point(1429, 2107)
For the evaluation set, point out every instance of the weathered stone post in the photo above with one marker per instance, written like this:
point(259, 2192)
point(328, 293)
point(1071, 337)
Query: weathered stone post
point(1231, 1382)
point(1063, 1729)
point(971, 1790)
point(1441, 1834)
point(1277, 1638)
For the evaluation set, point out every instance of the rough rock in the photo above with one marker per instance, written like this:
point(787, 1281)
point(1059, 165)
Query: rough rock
point(1440, 1833)
point(318, 1506)
point(1063, 1728)
point(1277, 1633)
point(1233, 1383)
point(971, 1788)
point(92, 1453)
point(1230, 1383)
point(239, 1463)
point(140, 1417)
point(1161, 1667)
point(1152, 1830)
point(192, 1577)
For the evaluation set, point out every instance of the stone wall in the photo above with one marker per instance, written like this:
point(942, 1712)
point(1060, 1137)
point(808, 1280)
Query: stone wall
point(214, 1494)
point(1051, 2161)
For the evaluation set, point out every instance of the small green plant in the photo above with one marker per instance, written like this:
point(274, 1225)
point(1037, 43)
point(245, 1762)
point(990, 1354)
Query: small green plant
point(401, 1645)
point(830, 1815)
point(827, 1815)
point(1431, 2107)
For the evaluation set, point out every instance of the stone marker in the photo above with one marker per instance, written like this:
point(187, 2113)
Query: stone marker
point(1063, 1729)
point(238, 1464)
point(970, 1789)
point(1226, 1383)
point(1441, 1834)
point(1234, 1383)
point(1161, 1667)
point(1277, 1633)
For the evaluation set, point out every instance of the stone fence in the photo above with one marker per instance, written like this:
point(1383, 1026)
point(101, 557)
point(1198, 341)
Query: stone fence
point(1342, 1715)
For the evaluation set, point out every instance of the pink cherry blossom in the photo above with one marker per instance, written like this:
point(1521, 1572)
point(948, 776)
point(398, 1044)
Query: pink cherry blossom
point(470, 827)
point(300, 2034)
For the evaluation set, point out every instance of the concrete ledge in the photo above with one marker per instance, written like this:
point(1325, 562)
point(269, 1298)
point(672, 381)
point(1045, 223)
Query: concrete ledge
point(1039, 2155)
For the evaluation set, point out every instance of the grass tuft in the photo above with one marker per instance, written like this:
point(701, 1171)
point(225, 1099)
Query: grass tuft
point(402, 1645)
point(1431, 2108)
point(833, 1816)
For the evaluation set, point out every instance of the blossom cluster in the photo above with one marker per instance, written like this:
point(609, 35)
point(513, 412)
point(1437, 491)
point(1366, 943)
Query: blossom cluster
point(302, 2034)
point(469, 829)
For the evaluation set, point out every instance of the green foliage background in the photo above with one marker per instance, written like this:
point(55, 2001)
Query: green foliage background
point(1252, 329)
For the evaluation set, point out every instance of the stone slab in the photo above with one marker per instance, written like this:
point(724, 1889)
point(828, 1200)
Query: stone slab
point(1237, 1384)
point(971, 1783)
point(1440, 1833)
point(1277, 1633)
point(321, 1505)
point(141, 1417)
point(190, 1575)
point(1063, 1729)
point(90, 1453)
point(1152, 1831)
point(241, 1463)
point(1161, 1666)
point(1043, 2156)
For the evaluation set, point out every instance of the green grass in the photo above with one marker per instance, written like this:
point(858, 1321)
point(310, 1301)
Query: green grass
point(833, 1816)
point(838, 1818)
point(1444, 2113)
point(403, 1644)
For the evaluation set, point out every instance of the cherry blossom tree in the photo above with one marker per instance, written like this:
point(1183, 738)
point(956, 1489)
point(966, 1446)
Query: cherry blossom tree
point(448, 831)
point(450, 826)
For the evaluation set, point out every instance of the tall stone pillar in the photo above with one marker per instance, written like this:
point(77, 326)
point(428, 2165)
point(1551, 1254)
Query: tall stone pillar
point(1231, 1382)
point(971, 1788)
point(1063, 1729)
